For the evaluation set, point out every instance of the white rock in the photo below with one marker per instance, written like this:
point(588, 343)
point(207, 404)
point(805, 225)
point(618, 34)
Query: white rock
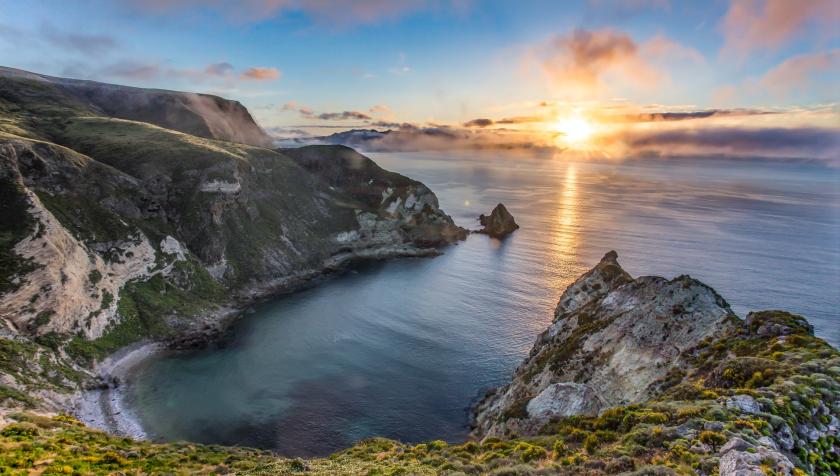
point(564, 399)
point(743, 403)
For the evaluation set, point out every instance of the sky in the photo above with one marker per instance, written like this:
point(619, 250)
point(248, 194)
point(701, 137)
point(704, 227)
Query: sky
point(479, 70)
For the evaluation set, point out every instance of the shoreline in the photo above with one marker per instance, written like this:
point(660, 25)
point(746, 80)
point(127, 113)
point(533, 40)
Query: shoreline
point(104, 407)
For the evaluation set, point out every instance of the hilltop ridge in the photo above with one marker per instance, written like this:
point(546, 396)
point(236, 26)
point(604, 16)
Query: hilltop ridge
point(202, 115)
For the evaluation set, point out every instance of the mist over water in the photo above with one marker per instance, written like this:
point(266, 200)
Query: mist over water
point(401, 349)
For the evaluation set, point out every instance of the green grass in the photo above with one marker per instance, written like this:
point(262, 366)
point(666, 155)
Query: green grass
point(86, 218)
point(144, 306)
point(640, 437)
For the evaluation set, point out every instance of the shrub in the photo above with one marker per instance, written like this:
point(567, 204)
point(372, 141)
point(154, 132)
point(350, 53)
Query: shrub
point(575, 435)
point(20, 431)
point(750, 372)
point(712, 438)
point(558, 449)
point(621, 464)
point(437, 445)
point(597, 438)
point(533, 453)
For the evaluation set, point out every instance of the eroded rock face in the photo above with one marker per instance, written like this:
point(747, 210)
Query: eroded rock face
point(613, 339)
point(739, 458)
point(564, 399)
point(499, 223)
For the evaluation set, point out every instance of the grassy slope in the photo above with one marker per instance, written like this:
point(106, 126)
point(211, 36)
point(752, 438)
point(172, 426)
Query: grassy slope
point(789, 376)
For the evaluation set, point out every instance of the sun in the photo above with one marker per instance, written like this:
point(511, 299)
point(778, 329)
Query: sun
point(574, 130)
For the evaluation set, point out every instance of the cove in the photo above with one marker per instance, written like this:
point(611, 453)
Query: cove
point(400, 349)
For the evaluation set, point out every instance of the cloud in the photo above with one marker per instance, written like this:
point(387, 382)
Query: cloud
point(341, 13)
point(89, 44)
point(583, 62)
point(660, 47)
point(287, 133)
point(308, 113)
point(148, 71)
point(260, 74)
point(343, 116)
point(799, 71)
point(750, 25)
point(803, 142)
point(223, 69)
point(682, 115)
point(380, 109)
point(484, 122)
point(481, 122)
point(520, 120)
point(133, 70)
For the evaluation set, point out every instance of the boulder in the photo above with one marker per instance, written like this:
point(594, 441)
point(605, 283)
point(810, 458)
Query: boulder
point(563, 400)
point(739, 458)
point(499, 223)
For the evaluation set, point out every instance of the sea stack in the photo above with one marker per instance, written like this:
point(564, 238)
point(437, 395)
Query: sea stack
point(499, 224)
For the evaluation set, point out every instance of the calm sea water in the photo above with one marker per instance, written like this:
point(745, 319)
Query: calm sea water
point(400, 349)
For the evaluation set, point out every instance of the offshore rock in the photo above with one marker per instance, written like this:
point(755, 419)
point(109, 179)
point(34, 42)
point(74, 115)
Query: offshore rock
point(499, 224)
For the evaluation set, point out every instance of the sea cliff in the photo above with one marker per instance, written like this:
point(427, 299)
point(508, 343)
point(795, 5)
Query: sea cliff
point(677, 384)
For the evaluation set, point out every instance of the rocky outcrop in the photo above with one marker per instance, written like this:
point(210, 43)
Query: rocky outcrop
point(739, 458)
point(499, 223)
point(660, 376)
point(613, 339)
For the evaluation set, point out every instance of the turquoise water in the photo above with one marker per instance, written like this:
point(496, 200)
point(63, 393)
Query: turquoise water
point(400, 349)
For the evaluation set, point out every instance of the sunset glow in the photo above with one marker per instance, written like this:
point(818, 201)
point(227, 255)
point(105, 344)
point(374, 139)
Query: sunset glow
point(574, 131)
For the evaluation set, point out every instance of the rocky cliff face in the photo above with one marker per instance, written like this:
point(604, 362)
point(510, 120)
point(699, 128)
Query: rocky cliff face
point(613, 339)
point(660, 375)
point(116, 230)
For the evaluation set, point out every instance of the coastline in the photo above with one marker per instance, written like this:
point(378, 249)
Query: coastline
point(104, 407)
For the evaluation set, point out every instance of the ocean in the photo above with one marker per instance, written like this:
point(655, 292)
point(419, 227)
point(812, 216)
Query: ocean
point(402, 348)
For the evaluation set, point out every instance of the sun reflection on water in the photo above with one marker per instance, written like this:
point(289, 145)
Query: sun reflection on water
point(565, 236)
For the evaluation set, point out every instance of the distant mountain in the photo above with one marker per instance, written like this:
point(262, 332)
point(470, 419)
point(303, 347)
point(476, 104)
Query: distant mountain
point(201, 115)
point(357, 138)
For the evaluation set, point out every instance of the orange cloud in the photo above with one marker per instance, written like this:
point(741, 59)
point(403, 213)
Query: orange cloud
point(800, 70)
point(767, 24)
point(260, 74)
point(587, 63)
point(660, 47)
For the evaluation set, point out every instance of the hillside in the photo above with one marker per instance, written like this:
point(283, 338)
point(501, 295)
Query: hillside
point(115, 230)
point(201, 115)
